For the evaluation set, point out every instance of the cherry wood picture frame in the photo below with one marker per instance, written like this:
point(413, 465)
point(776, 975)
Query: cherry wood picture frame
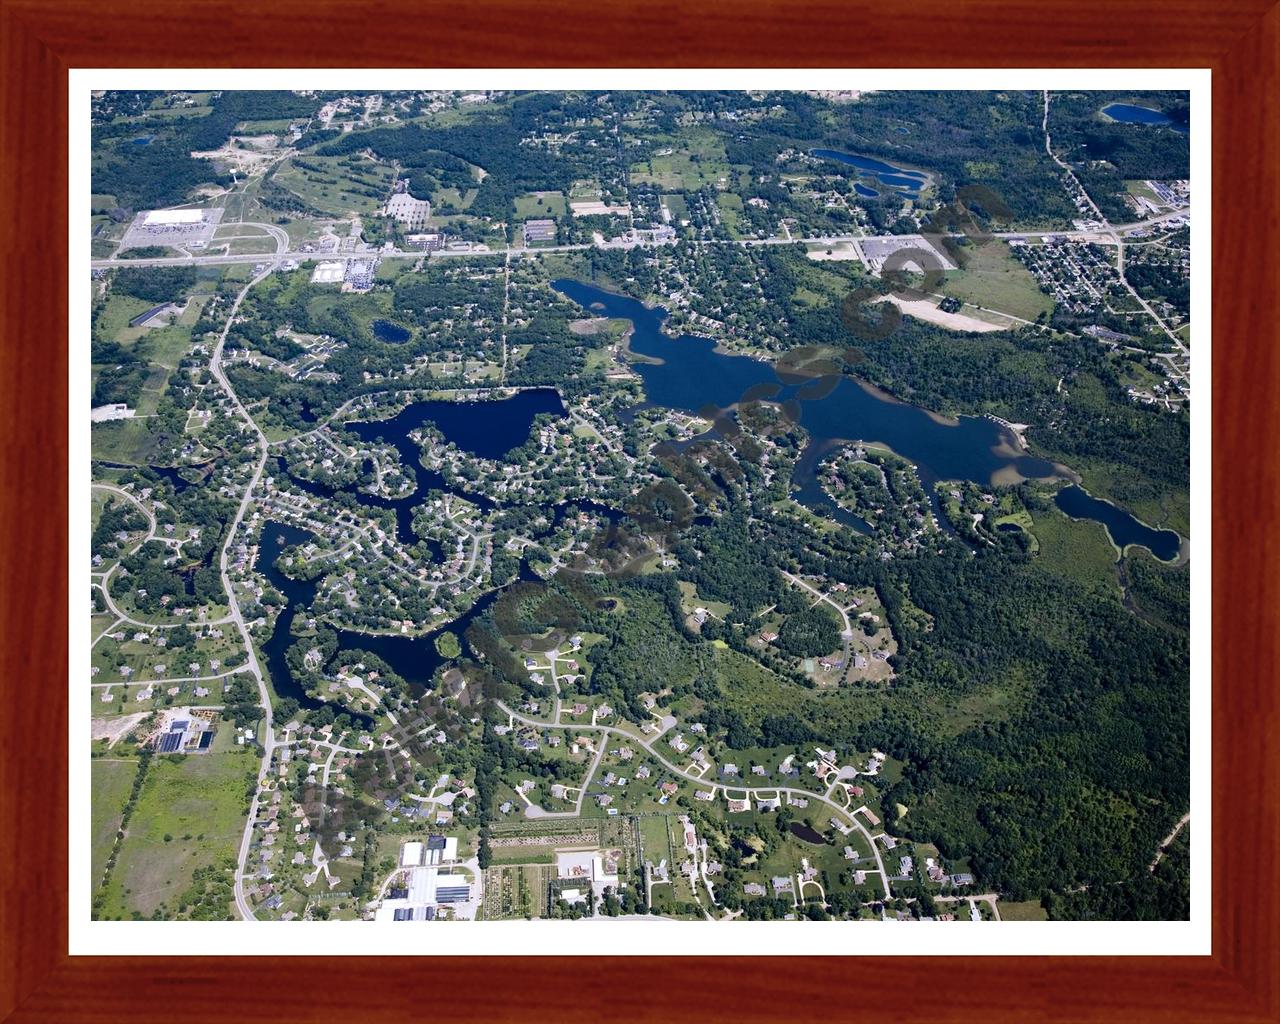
point(41, 39)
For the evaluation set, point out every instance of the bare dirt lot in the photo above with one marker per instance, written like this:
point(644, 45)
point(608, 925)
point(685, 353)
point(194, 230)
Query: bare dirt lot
point(113, 730)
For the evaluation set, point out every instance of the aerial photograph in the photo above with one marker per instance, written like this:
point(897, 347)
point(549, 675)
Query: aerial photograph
point(703, 505)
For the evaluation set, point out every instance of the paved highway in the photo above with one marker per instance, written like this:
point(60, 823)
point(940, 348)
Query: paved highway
point(1103, 236)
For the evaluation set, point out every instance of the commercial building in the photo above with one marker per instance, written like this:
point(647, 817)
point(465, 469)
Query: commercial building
point(359, 276)
point(539, 231)
point(190, 227)
point(329, 272)
point(429, 240)
point(596, 868)
point(167, 217)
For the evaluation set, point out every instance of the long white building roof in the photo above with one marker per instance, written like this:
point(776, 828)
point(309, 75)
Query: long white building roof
point(173, 216)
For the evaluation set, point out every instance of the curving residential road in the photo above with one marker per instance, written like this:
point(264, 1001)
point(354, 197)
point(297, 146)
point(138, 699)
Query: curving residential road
point(104, 584)
point(648, 746)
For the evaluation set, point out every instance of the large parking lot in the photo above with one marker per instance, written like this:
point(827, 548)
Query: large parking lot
point(189, 228)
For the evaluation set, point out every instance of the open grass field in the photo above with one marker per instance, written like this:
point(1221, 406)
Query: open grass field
point(112, 779)
point(452, 197)
point(126, 441)
point(119, 310)
point(199, 801)
point(262, 127)
point(1029, 910)
point(164, 114)
point(330, 184)
point(994, 279)
point(225, 231)
point(690, 599)
point(754, 691)
point(250, 246)
point(541, 204)
point(696, 159)
point(731, 212)
point(523, 855)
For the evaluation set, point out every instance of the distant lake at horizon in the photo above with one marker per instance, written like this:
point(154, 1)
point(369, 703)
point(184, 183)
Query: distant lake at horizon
point(1128, 113)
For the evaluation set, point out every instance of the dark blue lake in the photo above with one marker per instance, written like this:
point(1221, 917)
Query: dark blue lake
point(1123, 527)
point(142, 140)
point(864, 191)
point(486, 429)
point(392, 333)
point(1127, 113)
point(692, 375)
point(886, 174)
point(297, 593)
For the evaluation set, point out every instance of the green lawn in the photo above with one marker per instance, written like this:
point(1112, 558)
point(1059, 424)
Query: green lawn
point(536, 205)
point(112, 780)
point(1030, 910)
point(994, 279)
point(1139, 187)
point(731, 212)
point(200, 803)
point(655, 838)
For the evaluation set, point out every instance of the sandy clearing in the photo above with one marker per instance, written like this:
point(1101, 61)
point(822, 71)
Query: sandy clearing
point(924, 309)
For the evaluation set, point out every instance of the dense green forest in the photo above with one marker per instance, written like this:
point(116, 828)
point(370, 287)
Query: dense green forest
point(1070, 778)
